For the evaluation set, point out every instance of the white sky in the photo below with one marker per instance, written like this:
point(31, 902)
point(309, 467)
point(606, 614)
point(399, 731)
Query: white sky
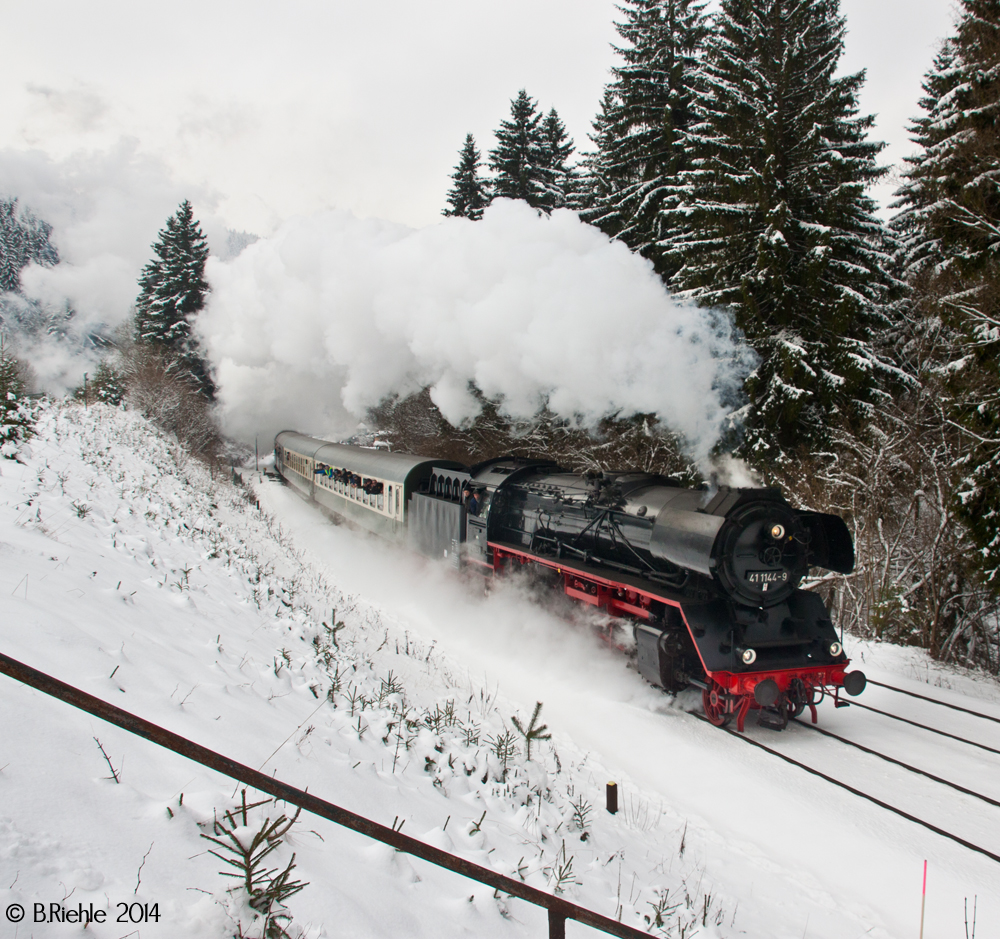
point(278, 109)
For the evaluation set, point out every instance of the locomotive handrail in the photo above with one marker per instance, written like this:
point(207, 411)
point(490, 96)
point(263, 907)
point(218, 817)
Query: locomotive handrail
point(559, 910)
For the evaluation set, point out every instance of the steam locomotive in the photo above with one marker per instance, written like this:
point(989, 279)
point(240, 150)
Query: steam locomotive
point(709, 578)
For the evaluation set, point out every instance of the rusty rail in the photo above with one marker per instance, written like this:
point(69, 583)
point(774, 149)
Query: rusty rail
point(559, 910)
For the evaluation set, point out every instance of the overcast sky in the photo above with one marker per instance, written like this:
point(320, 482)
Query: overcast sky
point(265, 110)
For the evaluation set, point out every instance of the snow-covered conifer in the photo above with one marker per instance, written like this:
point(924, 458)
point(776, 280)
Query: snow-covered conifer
point(595, 179)
point(16, 412)
point(950, 226)
point(519, 159)
point(558, 176)
point(469, 195)
point(645, 110)
point(172, 290)
point(23, 239)
point(773, 222)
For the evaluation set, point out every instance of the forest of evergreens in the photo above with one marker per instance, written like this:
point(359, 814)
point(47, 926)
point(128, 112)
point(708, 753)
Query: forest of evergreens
point(729, 151)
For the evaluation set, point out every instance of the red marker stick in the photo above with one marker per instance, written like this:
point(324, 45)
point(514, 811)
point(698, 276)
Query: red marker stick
point(923, 900)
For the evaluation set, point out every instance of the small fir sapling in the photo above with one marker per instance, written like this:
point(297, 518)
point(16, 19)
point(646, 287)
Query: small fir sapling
point(533, 731)
point(662, 909)
point(581, 817)
point(504, 748)
point(267, 889)
point(561, 872)
point(332, 631)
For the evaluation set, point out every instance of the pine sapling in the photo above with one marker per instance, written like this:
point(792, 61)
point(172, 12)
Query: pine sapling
point(504, 748)
point(388, 686)
point(661, 910)
point(267, 889)
point(581, 817)
point(561, 873)
point(534, 730)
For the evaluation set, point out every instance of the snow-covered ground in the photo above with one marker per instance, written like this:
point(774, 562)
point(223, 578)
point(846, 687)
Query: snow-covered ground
point(126, 571)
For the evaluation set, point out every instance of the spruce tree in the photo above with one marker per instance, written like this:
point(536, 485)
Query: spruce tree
point(646, 109)
point(950, 225)
point(519, 159)
point(23, 239)
point(10, 273)
point(558, 176)
point(17, 416)
point(470, 194)
point(595, 174)
point(773, 222)
point(172, 289)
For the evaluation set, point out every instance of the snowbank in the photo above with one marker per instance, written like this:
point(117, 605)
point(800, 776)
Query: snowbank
point(130, 573)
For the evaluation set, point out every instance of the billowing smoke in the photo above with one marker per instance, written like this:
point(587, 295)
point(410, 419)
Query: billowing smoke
point(308, 328)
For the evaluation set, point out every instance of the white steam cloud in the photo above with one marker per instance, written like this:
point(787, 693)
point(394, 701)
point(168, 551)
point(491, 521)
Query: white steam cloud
point(105, 208)
point(308, 328)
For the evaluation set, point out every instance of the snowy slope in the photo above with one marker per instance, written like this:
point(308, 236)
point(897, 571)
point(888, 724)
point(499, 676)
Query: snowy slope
point(126, 571)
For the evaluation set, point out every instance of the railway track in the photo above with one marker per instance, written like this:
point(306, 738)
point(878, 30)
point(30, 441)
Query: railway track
point(933, 730)
point(901, 763)
point(902, 813)
point(944, 704)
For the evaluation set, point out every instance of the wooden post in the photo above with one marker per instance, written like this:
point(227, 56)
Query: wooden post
point(557, 925)
point(612, 797)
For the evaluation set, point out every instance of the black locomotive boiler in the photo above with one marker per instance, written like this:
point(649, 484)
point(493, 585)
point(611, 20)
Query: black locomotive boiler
point(710, 579)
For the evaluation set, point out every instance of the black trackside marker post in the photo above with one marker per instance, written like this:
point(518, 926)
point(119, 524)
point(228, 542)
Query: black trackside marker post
point(612, 793)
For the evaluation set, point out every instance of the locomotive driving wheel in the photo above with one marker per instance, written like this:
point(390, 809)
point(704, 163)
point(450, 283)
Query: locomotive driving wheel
point(714, 702)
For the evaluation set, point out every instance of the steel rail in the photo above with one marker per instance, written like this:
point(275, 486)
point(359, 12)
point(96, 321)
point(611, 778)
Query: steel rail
point(559, 910)
point(906, 766)
point(933, 730)
point(864, 795)
point(944, 704)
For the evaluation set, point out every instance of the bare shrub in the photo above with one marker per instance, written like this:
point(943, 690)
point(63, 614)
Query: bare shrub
point(638, 442)
point(160, 388)
point(916, 579)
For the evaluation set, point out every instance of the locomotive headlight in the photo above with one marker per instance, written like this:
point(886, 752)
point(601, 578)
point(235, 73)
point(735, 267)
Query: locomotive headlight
point(835, 649)
point(749, 656)
point(777, 532)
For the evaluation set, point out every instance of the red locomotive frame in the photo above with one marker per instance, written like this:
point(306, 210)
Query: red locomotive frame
point(725, 694)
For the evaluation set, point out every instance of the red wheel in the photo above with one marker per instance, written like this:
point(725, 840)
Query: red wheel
point(715, 706)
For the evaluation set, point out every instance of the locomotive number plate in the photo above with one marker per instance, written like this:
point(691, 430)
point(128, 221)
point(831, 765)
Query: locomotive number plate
point(767, 577)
